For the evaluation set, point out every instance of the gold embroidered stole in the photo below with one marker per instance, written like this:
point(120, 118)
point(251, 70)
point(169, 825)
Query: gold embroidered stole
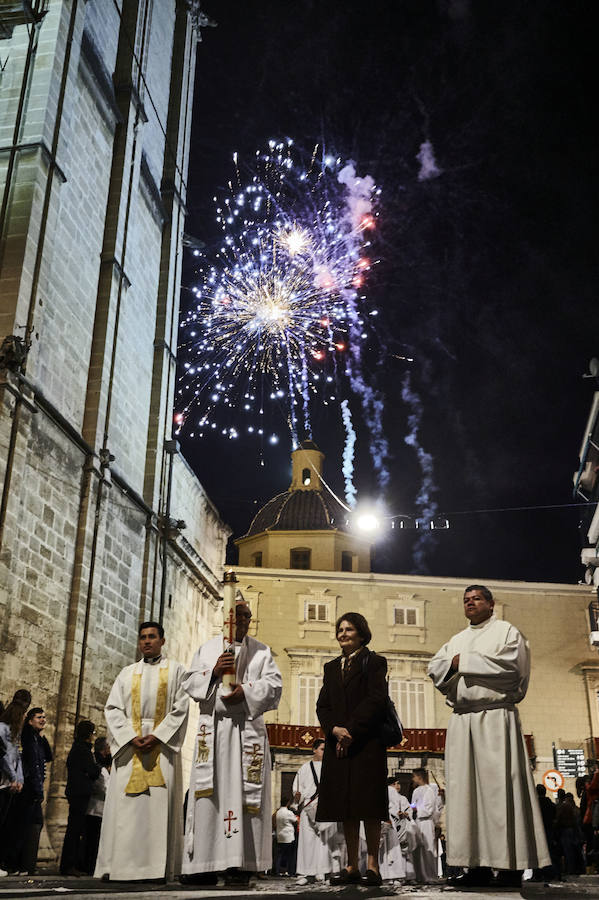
point(146, 772)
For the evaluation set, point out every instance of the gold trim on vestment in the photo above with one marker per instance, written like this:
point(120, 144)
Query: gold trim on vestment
point(205, 793)
point(252, 810)
point(146, 771)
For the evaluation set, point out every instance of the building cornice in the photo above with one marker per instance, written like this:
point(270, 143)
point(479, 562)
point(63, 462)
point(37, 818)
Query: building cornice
point(414, 581)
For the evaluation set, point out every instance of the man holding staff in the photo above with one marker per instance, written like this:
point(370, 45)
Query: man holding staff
point(234, 679)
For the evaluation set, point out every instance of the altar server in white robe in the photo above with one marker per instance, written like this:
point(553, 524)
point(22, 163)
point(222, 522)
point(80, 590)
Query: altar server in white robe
point(228, 826)
point(493, 817)
point(317, 840)
point(146, 714)
point(392, 862)
point(424, 801)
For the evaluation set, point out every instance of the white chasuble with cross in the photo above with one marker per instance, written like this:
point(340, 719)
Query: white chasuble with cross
point(229, 811)
point(141, 833)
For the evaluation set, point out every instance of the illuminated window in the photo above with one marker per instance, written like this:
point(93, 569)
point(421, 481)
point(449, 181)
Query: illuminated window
point(405, 615)
point(306, 476)
point(309, 689)
point(408, 697)
point(299, 558)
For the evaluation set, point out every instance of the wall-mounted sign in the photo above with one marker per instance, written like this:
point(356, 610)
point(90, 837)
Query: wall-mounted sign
point(571, 763)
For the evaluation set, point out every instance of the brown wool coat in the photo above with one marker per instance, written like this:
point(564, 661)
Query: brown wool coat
point(354, 787)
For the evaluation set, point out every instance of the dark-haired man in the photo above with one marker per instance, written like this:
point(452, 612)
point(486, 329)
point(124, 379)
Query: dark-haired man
point(493, 816)
point(146, 714)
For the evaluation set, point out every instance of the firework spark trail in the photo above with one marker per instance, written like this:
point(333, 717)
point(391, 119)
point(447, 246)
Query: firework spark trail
point(348, 455)
point(280, 297)
point(426, 505)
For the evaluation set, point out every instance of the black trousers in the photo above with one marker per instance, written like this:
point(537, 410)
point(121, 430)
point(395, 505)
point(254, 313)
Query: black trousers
point(93, 824)
point(73, 845)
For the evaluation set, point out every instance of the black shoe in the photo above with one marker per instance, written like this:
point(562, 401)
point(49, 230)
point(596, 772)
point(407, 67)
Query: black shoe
point(237, 878)
point(346, 877)
point(372, 878)
point(208, 878)
point(508, 878)
point(479, 877)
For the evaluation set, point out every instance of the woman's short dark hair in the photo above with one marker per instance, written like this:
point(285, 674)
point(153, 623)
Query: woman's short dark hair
point(84, 730)
point(359, 623)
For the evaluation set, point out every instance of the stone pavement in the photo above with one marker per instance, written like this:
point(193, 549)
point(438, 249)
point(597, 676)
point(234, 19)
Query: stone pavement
point(583, 888)
point(269, 889)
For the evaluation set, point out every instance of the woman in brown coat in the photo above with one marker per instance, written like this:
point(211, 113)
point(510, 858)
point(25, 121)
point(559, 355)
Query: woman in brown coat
point(351, 709)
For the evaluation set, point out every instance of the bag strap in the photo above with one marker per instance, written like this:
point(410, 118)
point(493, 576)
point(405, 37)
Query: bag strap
point(314, 775)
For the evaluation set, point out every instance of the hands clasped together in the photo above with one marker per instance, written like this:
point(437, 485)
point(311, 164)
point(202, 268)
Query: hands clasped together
point(145, 744)
point(225, 662)
point(344, 740)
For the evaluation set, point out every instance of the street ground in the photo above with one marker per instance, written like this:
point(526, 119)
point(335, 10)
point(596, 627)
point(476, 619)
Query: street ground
point(271, 888)
point(24, 886)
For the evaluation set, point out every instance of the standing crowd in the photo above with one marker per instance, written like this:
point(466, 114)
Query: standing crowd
point(24, 753)
point(125, 791)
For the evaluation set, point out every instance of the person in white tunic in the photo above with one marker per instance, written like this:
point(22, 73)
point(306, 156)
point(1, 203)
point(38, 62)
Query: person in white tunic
point(424, 801)
point(316, 840)
point(392, 862)
point(146, 714)
point(493, 817)
point(228, 826)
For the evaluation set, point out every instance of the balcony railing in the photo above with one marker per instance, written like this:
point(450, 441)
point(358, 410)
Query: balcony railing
point(416, 740)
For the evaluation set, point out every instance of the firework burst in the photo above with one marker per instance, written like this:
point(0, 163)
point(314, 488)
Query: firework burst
point(278, 303)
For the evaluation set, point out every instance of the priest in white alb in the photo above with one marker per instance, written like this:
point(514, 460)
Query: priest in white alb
point(493, 817)
point(228, 827)
point(146, 715)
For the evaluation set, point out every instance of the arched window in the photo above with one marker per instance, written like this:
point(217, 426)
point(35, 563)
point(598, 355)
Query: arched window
point(306, 476)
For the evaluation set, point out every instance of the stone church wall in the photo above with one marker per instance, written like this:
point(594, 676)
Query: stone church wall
point(90, 256)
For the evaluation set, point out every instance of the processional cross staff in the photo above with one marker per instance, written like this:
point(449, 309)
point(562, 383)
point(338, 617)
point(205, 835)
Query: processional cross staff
point(229, 678)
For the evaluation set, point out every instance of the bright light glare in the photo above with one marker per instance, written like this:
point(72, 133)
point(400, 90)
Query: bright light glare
point(368, 522)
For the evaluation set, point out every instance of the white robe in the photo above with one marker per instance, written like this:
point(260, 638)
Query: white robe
point(142, 834)
point(492, 816)
point(229, 825)
point(317, 841)
point(392, 861)
point(425, 854)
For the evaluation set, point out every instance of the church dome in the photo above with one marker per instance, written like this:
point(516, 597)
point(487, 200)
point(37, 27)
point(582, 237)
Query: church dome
point(300, 510)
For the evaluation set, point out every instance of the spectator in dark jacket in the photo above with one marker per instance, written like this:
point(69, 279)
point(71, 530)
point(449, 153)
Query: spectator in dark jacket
point(82, 771)
point(567, 829)
point(35, 752)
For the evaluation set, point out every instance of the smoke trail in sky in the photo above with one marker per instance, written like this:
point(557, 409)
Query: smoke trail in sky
point(358, 201)
point(428, 163)
point(426, 505)
point(348, 455)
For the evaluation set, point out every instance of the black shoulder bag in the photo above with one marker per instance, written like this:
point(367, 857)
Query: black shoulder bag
point(390, 729)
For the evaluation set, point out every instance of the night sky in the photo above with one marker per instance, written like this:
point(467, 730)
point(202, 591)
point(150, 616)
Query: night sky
point(487, 275)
